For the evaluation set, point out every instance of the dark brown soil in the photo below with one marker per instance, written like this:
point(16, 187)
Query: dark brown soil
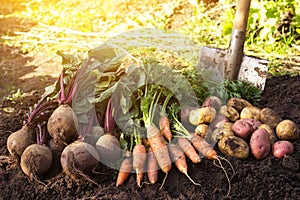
point(270, 178)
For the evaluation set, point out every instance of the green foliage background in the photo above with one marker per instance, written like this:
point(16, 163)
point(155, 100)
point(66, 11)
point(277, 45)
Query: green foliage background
point(76, 26)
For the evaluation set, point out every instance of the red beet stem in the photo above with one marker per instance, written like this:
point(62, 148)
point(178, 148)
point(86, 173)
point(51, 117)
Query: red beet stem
point(109, 122)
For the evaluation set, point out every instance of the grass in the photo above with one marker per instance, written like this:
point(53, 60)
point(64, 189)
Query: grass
point(77, 26)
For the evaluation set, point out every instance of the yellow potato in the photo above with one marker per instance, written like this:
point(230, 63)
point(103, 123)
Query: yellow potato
point(232, 114)
point(238, 103)
point(270, 117)
point(250, 112)
point(203, 130)
point(287, 130)
point(202, 115)
point(234, 146)
point(222, 131)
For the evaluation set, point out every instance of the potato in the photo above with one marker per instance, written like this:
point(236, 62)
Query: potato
point(242, 129)
point(238, 103)
point(225, 129)
point(287, 130)
point(218, 121)
point(222, 110)
point(273, 137)
point(282, 148)
point(270, 117)
point(203, 130)
point(254, 123)
point(202, 115)
point(234, 146)
point(212, 101)
point(231, 113)
point(250, 112)
point(260, 144)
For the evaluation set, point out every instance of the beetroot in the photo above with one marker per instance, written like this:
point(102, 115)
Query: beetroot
point(79, 158)
point(62, 124)
point(18, 141)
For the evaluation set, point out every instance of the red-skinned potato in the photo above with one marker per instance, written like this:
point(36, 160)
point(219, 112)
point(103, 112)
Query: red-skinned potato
point(212, 101)
point(273, 137)
point(282, 148)
point(254, 123)
point(218, 121)
point(242, 129)
point(260, 144)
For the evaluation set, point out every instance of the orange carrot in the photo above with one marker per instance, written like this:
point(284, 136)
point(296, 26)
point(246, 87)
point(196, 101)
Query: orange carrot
point(203, 147)
point(124, 171)
point(164, 125)
point(152, 167)
point(139, 161)
point(159, 147)
point(188, 150)
point(178, 158)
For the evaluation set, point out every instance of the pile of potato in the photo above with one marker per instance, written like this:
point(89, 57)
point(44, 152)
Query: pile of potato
point(240, 129)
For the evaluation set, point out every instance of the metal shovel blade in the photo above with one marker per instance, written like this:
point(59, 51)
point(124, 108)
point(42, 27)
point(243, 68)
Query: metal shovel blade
point(214, 62)
point(231, 63)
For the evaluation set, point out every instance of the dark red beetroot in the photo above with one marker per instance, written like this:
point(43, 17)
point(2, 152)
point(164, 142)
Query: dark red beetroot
point(37, 158)
point(62, 124)
point(19, 140)
point(108, 146)
point(79, 158)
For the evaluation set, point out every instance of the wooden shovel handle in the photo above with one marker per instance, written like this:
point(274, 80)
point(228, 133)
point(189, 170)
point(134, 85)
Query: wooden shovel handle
point(241, 15)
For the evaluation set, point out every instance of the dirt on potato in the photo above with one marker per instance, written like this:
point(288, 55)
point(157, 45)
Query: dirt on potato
point(269, 178)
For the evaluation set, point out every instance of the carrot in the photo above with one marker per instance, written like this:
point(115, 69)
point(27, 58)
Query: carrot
point(152, 167)
point(138, 163)
point(188, 150)
point(154, 136)
point(164, 125)
point(200, 144)
point(178, 158)
point(124, 171)
point(159, 148)
point(203, 147)
point(206, 150)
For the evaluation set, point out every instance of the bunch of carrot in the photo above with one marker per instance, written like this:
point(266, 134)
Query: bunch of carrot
point(166, 143)
point(161, 149)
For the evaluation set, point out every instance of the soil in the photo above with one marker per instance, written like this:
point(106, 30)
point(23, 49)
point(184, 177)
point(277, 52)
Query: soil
point(269, 178)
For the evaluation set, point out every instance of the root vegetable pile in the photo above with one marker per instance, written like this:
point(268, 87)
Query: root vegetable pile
point(142, 133)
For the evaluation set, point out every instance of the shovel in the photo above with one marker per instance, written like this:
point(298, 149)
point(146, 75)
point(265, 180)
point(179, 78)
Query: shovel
point(231, 63)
